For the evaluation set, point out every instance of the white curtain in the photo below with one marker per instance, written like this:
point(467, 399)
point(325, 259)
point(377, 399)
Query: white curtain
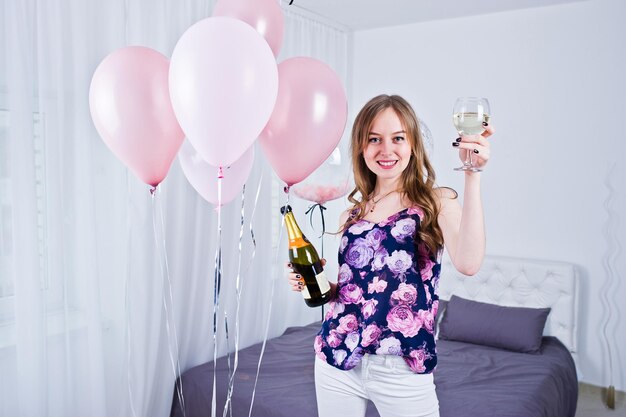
point(84, 329)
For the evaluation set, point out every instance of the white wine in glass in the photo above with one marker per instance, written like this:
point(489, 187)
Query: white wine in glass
point(469, 117)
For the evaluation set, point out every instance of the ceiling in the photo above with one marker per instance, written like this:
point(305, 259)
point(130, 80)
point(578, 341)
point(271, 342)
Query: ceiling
point(369, 14)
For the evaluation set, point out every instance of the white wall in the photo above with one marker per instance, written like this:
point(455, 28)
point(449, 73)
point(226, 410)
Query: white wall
point(555, 78)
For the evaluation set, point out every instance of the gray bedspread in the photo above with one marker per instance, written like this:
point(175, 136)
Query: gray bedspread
point(471, 380)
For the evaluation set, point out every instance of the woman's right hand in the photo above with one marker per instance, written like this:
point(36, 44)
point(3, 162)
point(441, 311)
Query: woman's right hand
point(295, 280)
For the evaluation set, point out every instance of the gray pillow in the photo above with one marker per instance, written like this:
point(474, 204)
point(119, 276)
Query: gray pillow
point(519, 329)
point(440, 312)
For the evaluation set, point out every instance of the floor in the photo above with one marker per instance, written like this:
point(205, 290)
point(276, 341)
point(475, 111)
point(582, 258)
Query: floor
point(592, 402)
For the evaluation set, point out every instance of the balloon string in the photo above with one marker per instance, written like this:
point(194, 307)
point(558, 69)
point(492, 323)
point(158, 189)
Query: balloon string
point(231, 383)
point(256, 201)
point(254, 206)
point(156, 208)
point(250, 263)
point(228, 361)
point(179, 388)
point(311, 210)
point(216, 286)
point(269, 313)
point(127, 301)
point(286, 190)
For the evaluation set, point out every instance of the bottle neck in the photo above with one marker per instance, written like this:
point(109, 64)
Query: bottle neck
point(296, 238)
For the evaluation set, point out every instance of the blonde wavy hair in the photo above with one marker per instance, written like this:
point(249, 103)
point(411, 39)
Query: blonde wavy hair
point(417, 181)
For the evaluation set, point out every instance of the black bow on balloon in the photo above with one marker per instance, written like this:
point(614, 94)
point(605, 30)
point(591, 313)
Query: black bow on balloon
point(311, 209)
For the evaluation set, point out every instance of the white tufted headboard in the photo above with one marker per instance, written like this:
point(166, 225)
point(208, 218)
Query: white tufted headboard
point(517, 282)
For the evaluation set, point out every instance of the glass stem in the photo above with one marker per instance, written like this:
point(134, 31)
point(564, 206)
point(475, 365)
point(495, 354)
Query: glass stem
point(468, 157)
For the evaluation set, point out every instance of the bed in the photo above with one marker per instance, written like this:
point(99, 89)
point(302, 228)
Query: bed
point(471, 379)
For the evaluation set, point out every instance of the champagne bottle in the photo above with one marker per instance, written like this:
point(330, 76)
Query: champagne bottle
point(306, 262)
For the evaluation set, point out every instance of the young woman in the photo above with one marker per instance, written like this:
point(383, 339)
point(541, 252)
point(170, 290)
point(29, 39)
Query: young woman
point(377, 340)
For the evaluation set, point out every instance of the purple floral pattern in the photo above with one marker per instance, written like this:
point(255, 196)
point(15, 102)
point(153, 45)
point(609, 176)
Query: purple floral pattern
point(345, 273)
point(380, 259)
point(387, 295)
point(399, 262)
point(359, 253)
point(403, 229)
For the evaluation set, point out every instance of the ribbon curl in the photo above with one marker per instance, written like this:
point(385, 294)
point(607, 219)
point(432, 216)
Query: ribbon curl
point(311, 210)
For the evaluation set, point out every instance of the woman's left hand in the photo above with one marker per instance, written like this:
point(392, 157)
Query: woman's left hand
point(478, 145)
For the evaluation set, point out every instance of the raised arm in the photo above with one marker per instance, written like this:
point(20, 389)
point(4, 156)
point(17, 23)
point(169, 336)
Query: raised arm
point(464, 227)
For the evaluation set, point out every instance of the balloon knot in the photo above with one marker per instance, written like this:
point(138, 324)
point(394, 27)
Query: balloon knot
point(286, 189)
point(220, 175)
point(153, 190)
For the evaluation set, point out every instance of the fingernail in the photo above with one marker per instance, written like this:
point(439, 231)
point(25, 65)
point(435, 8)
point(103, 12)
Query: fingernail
point(475, 150)
point(458, 139)
point(455, 143)
point(485, 124)
point(297, 275)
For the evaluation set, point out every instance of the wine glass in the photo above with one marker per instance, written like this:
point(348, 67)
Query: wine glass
point(468, 115)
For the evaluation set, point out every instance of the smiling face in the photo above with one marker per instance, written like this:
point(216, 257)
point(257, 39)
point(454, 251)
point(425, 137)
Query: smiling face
point(388, 151)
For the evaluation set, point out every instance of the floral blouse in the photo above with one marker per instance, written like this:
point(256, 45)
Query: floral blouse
point(387, 296)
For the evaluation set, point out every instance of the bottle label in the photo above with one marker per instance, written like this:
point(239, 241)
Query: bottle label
point(305, 293)
point(322, 282)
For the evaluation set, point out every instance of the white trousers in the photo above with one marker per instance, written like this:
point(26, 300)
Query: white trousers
point(386, 380)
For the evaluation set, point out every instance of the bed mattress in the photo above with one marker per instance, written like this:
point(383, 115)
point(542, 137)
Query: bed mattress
point(471, 380)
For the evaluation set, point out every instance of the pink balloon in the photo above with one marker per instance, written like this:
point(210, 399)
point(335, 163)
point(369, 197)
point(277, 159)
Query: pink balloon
point(223, 86)
point(131, 109)
point(328, 182)
point(203, 177)
point(308, 119)
point(265, 16)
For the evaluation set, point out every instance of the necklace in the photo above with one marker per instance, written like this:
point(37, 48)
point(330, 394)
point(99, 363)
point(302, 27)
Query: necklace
point(374, 201)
